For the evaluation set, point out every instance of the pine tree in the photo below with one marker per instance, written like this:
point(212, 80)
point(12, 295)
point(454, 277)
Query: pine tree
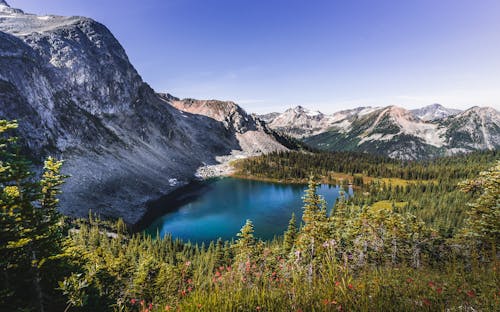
point(30, 226)
point(290, 235)
point(17, 218)
point(314, 232)
point(219, 252)
point(483, 223)
point(245, 245)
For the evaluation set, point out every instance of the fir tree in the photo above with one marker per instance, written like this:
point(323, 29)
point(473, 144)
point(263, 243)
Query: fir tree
point(245, 245)
point(483, 223)
point(31, 229)
point(290, 235)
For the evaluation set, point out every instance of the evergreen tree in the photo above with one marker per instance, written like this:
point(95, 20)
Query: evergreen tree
point(30, 227)
point(483, 221)
point(315, 230)
point(246, 242)
point(290, 235)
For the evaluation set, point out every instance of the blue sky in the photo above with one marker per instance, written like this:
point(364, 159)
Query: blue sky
point(269, 55)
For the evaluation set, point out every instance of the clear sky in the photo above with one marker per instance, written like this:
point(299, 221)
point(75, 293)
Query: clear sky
point(269, 55)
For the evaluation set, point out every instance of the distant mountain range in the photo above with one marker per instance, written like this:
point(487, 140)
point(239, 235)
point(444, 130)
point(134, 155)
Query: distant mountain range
point(427, 132)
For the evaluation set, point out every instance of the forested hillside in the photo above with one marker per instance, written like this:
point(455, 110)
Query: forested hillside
point(415, 237)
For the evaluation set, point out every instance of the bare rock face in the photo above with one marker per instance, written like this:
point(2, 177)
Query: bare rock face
point(253, 136)
point(70, 85)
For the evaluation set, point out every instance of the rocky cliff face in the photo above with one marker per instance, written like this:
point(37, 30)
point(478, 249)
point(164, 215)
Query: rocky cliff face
point(250, 132)
point(474, 129)
point(393, 131)
point(71, 86)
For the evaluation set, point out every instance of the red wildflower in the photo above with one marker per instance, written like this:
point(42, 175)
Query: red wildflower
point(326, 301)
point(217, 273)
point(337, 283)
point(431, 284)
point(150, 306)
point(188, 263)
point(471, 293)
point(189, 281)
point(190, 289)
point(167, 308)
point(426, 302)
point(350, 286)
point(133, 301)
point(183, 292)
point(439, 290)
point(142, 302)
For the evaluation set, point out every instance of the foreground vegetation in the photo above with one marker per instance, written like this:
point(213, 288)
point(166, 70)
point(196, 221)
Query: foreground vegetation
point(427, 245)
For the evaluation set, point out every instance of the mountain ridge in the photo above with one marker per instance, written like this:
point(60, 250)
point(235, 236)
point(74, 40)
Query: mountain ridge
point(394, 131)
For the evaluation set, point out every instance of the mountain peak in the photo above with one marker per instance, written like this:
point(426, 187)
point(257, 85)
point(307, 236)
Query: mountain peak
point(482, 110)
point(300, 110)
point(6, 9)
point(434, 111)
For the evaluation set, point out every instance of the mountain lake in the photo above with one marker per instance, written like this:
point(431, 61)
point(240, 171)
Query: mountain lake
point(218, 208)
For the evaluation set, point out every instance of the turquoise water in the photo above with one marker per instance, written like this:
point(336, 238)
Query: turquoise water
point(220, 208)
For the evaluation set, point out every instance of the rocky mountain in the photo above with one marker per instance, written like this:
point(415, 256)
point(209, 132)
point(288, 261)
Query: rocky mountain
point(395, 131)
point(477, 128)
point(434, 112)
point(268, 117)
point(70, 85)
point(300, 122)
point(252, 134)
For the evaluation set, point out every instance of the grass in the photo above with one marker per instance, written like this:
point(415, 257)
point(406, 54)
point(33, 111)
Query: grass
point(336, 289)
point(387, 205)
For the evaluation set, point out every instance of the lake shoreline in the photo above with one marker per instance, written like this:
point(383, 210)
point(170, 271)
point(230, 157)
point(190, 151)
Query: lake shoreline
point(278, 181)
point(171, 202)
